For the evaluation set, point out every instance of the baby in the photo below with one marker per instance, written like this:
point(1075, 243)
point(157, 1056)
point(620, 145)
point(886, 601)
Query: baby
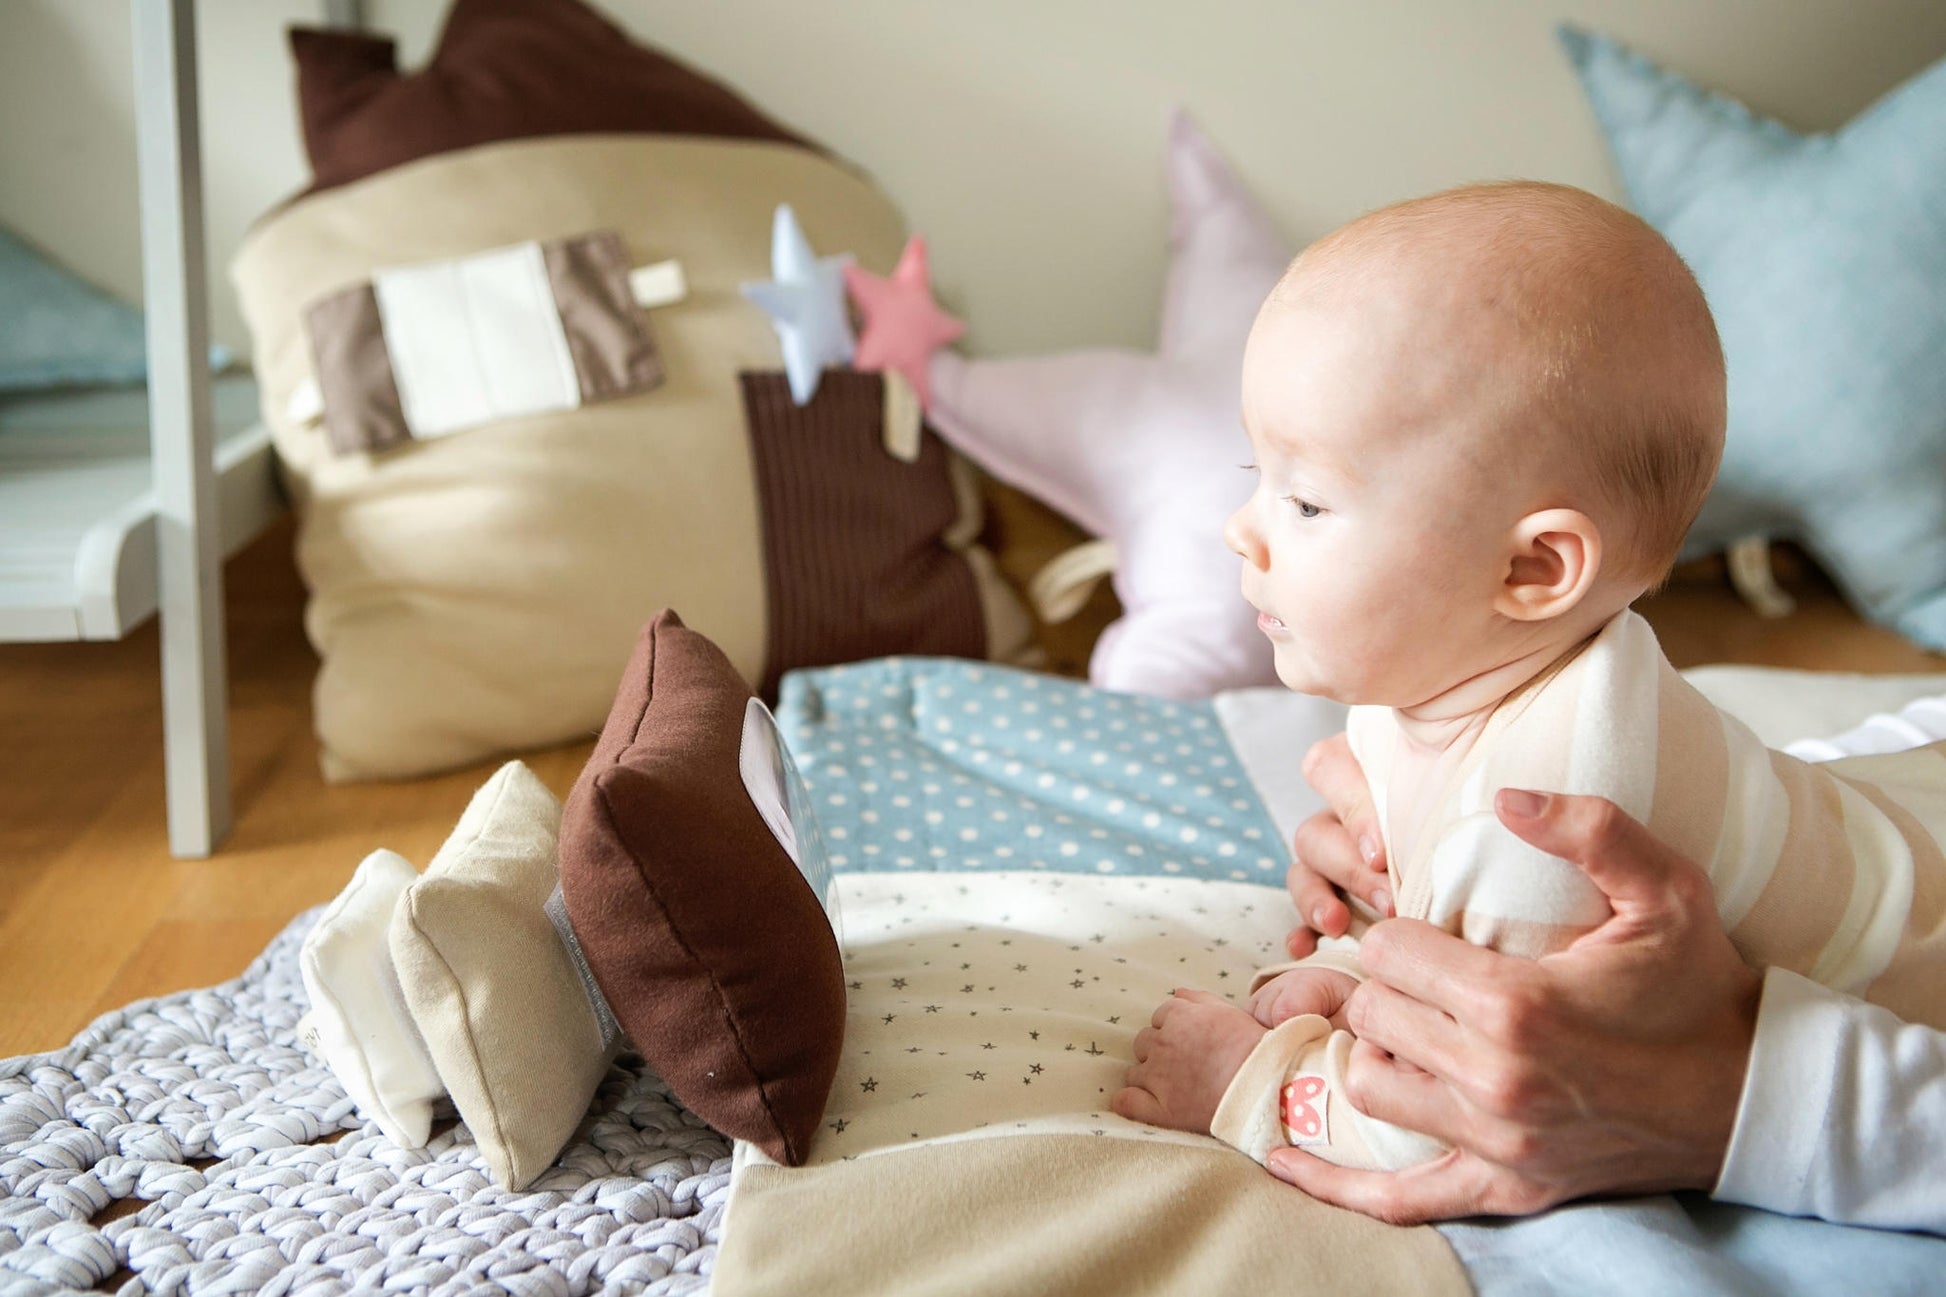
point(1483, 422)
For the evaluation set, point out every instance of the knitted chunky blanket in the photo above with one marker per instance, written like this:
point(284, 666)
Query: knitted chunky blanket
point(205, 1107)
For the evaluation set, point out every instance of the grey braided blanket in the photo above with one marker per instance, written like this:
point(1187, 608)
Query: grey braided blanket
point(205, 1106)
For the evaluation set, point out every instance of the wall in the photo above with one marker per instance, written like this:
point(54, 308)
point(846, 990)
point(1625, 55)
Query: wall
point(1022, 136)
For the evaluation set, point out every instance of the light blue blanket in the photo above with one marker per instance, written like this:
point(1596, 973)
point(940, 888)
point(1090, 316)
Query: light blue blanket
point(932, 764)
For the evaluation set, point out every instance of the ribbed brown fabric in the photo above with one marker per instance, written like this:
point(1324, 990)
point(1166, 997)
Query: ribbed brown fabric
point(853, 558)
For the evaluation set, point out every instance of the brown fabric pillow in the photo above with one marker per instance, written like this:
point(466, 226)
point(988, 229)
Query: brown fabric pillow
point(503, 70)
point(710, 947)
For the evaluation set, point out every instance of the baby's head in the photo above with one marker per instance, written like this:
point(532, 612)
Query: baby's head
point(1483, 422)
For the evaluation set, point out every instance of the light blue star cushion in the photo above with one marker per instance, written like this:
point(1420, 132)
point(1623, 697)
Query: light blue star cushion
point(62, 332)
point(1824, 260)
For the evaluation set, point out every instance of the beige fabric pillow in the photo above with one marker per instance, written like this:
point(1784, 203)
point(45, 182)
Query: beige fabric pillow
point(480, 593)
point(494, 992)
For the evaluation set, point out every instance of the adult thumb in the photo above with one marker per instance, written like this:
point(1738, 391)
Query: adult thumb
point(1632, 868)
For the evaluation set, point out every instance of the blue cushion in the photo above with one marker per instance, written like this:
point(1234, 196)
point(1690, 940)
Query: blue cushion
point(62, 332)
point(1824, 259)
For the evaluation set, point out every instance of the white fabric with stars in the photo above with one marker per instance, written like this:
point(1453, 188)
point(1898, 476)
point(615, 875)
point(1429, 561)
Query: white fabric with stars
point(1007, 1003)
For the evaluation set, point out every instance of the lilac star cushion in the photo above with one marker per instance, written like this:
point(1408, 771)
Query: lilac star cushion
point(1143, 449)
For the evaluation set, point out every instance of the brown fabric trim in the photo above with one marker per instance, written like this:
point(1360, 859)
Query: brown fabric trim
point(855, 562)
point(362, 411)
point(502, 70)
point(608, 334)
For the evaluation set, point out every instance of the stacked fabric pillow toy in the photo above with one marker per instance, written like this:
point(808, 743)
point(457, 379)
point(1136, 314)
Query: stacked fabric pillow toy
point(504, 461)
point(681, 904)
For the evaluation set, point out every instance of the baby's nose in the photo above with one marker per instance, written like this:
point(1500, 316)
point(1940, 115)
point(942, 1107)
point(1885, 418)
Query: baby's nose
point(1240, 534)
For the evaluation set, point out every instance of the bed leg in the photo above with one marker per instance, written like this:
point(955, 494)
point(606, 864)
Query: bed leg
point(181, 439)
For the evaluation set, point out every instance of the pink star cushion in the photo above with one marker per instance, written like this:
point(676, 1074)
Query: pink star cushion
point(1143, 450)
point(903, 326)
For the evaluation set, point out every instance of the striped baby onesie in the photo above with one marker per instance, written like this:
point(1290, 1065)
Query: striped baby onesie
point(1833, 871)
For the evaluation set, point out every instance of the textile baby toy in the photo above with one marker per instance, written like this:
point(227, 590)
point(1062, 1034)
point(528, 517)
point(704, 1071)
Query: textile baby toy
point(1143, 449)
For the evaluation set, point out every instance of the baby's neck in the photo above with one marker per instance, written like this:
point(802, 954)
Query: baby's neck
point(1455, 718)
point(1436, 736)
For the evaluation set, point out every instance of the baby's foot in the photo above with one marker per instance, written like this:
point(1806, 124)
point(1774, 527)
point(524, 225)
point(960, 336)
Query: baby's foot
point(1184, 1060)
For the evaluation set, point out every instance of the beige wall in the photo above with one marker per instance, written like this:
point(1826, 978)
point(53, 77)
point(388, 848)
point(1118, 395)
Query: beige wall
point(1022, 136)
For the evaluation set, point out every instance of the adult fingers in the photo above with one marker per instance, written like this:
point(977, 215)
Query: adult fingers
point(1316, 898)
point(1411, 1031)
point(1437, 968)
point(1326, 850)
point(1334, 772)
point(1386, 1090)
point(1300, 942)
point(1449, 1186)
point(1632, 867)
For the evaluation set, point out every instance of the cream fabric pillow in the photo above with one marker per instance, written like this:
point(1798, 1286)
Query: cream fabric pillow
point(359, 1023)
point(492, 988)
point(479, 593)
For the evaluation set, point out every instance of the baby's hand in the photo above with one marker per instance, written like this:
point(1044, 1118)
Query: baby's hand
point(1322, 991)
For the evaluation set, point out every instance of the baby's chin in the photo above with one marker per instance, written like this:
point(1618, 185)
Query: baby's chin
point(1301, 680)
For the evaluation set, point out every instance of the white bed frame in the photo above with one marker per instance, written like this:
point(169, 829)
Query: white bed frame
point(93, 542)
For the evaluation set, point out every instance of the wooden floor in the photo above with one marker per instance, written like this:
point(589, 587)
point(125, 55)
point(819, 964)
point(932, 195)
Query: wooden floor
point(95, 913)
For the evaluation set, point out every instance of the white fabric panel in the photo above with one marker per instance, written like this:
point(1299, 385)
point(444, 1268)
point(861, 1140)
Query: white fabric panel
point(475, 339)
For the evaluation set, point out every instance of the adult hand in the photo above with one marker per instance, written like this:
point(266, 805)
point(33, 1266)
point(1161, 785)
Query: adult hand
point(1615, 1065)
point(1338, 852)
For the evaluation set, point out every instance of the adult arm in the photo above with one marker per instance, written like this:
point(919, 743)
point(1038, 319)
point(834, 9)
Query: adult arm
point(1620, 1064)
point(1843, 1115)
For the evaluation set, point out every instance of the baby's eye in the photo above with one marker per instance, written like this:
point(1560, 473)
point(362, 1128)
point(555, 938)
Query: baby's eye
point(1305, 509)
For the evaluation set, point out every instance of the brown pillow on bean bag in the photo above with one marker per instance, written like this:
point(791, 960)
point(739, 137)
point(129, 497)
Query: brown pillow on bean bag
point(503, 70)
point(712, 950)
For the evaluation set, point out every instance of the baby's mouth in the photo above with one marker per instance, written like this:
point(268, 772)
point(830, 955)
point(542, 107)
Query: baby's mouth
point(1270, 625)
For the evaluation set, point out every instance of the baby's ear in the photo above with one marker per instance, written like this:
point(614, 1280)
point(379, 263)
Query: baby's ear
point(1553, 560)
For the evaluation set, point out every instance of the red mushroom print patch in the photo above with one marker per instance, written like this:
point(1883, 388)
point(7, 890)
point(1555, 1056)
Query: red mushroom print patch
point(1304, 1110)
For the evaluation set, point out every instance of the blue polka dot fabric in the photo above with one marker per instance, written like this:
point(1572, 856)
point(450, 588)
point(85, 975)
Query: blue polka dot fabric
point(938, 764)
